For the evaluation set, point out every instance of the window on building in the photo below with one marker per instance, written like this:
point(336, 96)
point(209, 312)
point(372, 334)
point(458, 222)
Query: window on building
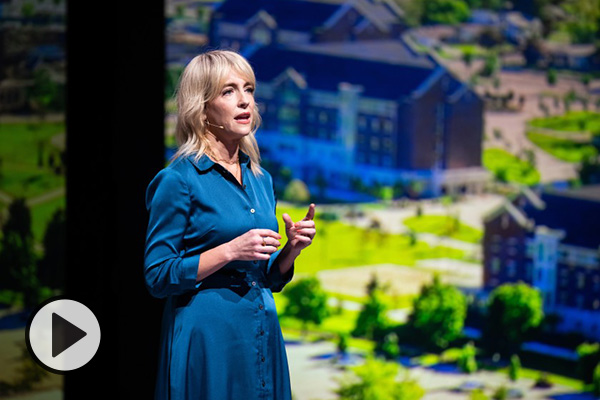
point(388, 145)
point(580, 280)
point(388, 126)
point(495, 267)
point(511, 268)
point(375, 124)
point(323, 117)
point(374, 144)
point(362, 122)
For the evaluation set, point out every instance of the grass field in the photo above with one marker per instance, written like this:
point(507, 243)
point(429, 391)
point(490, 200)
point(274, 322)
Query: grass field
point(574, 121)
point(20, 145)
point(513, 169)
point(562, 149)
point(443, 225)
point(338, 245)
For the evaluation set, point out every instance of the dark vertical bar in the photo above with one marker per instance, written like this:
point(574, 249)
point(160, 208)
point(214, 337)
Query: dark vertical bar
point(115, 121)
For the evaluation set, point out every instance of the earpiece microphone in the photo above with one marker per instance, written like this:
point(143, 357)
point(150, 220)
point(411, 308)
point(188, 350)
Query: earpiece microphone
point(216, 126)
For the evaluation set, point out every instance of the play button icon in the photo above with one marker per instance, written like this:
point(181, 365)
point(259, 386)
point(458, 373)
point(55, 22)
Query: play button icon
point(62, 335)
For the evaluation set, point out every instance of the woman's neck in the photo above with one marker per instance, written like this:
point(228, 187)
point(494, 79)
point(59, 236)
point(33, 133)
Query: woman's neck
point(223, 151)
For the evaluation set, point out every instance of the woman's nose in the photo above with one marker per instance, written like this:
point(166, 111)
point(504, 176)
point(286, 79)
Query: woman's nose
point(244, 100)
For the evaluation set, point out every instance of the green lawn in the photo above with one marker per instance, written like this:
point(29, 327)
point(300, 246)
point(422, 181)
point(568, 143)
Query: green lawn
point(338, 245)
point(443, 225)
point(574, 121)
point(509, 167)
point(20, 145)
point(562, 149)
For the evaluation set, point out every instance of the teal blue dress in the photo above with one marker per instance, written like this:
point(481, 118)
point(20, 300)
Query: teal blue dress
point(220, 337)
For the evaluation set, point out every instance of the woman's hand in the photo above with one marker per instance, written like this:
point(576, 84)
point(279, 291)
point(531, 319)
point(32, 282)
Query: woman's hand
point(256, 244)
point(300, 234)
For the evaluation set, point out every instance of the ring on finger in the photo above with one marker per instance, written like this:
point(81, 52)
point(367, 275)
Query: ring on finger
point(264, 243)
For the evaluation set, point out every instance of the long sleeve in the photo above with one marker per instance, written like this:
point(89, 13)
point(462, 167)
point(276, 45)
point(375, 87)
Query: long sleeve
point(168, 270)
point(276, 280)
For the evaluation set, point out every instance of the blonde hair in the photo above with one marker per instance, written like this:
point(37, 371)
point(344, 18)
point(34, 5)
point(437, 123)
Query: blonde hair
point(201, 81)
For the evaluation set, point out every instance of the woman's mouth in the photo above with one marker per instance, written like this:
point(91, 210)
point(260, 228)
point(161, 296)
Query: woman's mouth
point(243, 118)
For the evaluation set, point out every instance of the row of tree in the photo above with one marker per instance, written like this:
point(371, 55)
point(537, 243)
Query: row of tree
point(512, 314)
point(23, 269)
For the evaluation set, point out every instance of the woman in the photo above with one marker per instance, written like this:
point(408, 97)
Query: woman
point(212, 245)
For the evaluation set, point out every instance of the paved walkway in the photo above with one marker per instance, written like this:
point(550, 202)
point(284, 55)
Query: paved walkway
point(529, 84)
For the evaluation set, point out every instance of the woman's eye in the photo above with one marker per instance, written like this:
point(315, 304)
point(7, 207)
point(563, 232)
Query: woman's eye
point(227, 91)
point(250, 90)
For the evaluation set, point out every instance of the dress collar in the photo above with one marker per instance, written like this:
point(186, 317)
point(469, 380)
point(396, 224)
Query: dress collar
point(205, 163)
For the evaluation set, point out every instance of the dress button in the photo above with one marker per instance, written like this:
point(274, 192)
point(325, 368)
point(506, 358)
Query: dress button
point(253, 283)
point(261, 306)
point(262, 332)
point(255, 261)
point(263, 383)
point(252, 210)
point(262, 359)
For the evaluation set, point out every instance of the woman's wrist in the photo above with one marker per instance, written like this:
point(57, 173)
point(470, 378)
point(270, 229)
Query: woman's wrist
point(291, 250)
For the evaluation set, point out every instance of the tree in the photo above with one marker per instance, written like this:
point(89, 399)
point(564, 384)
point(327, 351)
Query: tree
point(372, 319)
point(584, 23)
point(342, 343)
point(376, 380)
point(467, 57)
point(19, 219)
point(439, 313)
point(514, 369)
point(45, 93)
point(51, 268)
point(296, 191)
point(514, 309)
point(551, 76)
point(491, 64)
point(589, 357)
point(467, 362)
point(388, 346)
point(17, 259)
point(596, 381)
point(445, 11)
point(307, 301)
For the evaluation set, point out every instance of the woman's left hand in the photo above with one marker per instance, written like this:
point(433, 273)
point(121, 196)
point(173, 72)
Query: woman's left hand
point(300, 234)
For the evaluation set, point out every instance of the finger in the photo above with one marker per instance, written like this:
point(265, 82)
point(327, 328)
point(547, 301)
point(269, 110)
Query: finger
point(303, 239)
point(267, 249)
point(267, 233)
point(307, 232)
point(287, 220)
point(272, 242)
point(311, 213)
point(261, 256)
point(304, 224)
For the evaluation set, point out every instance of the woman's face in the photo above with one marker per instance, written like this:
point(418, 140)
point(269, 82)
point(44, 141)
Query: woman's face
point(232, 109)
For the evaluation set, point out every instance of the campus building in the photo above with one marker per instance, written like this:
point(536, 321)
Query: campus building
point(344, 109)
point(552, 242)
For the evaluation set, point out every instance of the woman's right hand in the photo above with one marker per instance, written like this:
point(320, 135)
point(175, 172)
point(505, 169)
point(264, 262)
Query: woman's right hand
point(256, 244)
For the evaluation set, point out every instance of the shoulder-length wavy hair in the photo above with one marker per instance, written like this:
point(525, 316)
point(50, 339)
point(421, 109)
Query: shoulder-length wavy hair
point(201, 81)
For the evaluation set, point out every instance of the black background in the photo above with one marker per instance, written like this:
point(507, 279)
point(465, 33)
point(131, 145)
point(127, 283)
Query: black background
point(115, 127)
